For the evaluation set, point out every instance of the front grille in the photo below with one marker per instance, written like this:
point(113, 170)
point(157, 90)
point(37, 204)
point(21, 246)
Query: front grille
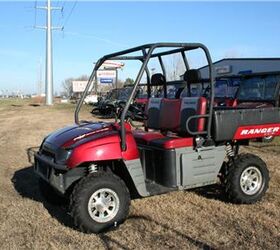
point(43, 169)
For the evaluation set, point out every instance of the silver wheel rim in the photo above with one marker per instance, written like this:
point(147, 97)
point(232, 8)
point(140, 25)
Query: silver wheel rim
point(251, 180)
point(103, 205)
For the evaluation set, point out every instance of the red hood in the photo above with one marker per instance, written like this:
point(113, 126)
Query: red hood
point(67, 136)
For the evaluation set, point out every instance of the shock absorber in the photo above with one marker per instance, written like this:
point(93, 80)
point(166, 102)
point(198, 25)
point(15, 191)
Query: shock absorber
point(92, 168)
point(229, 151)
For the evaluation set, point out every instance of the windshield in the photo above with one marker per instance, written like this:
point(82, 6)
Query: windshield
point(258, 88)
point(221, 88)
point(119, 94)
point(197, 90)
point(226, 88)
point(124, 93)
point(142, 93)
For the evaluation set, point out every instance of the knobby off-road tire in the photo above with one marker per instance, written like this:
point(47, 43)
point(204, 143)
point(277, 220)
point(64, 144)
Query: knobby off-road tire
point(49, 194)
point(247, 179)
point(99, 201)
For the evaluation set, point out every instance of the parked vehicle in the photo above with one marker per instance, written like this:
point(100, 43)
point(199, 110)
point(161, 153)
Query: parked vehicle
point(254, 91)
point(260, 90)
point(108, 104)
point(91, 99)
point(186, 143)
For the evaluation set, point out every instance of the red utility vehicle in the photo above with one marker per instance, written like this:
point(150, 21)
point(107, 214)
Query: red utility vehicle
point(186, 143)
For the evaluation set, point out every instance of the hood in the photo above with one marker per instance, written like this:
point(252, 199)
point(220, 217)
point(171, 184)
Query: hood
point(69, 135)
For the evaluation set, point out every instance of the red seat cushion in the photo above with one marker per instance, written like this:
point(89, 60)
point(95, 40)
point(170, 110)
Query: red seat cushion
point(170, 114)
point(172, 142)
point(143, 137)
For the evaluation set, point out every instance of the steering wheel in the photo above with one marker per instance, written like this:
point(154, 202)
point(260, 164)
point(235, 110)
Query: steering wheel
point(134, 112)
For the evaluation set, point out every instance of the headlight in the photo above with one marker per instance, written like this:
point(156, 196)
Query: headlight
point(62, 155)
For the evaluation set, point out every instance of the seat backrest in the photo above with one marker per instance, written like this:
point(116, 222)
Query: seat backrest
point(153, 113)
point(154, 104)
point(192, 106)
point(170, 115)
point(158, 79)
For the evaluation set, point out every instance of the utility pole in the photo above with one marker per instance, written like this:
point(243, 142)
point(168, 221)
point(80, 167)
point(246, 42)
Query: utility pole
point(49, 62)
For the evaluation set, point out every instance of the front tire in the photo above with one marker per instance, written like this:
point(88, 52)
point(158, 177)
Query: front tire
point(247, 179)
point(99, 201)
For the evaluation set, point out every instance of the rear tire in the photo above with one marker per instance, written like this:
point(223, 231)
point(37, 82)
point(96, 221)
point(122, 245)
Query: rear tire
point(98, 202)
point(247, 179)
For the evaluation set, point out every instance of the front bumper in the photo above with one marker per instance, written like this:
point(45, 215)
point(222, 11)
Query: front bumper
point(57, 175)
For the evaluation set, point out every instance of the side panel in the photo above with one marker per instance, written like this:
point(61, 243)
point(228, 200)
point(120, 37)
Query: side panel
point(200, 168)
point(159, 165)
point(135, 170)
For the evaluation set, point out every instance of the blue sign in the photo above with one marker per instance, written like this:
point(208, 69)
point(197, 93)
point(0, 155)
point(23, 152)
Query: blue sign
point(106, 80)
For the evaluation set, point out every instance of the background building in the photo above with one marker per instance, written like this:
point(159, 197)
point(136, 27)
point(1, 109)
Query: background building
point(235, 66)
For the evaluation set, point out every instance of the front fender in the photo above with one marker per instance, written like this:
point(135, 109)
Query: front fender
point(88, 153)
point(105, 149)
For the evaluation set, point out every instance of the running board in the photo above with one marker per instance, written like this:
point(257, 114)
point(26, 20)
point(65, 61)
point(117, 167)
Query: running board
point(155, 188)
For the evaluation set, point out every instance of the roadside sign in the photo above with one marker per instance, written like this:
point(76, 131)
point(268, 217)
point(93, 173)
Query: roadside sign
point(112, 64)
point(79, 86)
point(106, 76)
point(106, 80)
point(226, 69)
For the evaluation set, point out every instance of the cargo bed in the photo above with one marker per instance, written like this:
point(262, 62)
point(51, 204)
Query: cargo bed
point(229, 122)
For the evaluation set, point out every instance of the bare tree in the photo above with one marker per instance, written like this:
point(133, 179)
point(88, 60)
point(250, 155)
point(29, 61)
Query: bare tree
point(175, 67)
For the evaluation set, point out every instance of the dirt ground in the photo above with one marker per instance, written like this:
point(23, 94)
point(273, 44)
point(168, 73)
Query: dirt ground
point(197, 219)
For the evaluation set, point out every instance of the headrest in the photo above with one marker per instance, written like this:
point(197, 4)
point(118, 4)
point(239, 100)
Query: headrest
point(192, 76)
point(158, 79)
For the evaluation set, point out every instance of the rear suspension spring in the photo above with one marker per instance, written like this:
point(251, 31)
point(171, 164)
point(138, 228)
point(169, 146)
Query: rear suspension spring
point(229, 151)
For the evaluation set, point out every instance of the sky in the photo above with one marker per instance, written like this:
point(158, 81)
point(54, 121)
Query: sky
point(92, 29)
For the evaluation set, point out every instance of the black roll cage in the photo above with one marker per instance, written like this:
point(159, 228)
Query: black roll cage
point(147, 53)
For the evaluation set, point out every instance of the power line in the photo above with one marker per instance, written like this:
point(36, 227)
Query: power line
point(35, 14)
point(70, 13)
point(63, 4)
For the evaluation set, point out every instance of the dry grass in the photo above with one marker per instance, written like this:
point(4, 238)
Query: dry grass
point(181, 220)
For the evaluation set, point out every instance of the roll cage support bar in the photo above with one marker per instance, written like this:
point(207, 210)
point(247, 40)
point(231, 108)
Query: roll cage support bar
point(147, 53)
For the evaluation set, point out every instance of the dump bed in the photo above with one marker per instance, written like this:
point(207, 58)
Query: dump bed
point(237, 124)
